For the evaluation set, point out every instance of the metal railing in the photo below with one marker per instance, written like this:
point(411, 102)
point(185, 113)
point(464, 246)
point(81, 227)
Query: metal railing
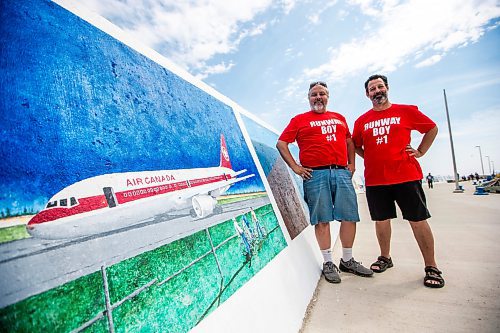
point(108, 312)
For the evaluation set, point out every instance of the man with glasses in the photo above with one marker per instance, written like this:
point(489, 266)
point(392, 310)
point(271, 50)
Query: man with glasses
point(327, 157)
point(382, 137)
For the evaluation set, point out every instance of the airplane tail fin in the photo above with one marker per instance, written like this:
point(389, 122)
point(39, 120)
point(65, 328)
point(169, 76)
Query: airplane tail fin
point(224, 155)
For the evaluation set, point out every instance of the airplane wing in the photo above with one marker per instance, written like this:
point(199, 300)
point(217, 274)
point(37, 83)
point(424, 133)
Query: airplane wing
point(203, 197)
point(205, 189)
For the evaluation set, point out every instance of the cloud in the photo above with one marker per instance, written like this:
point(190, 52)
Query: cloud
point(429, 61)
point(406, 28)
point(481, 123)
point(315, 18)
point(193, 33)
point(288, 5)
point(470, 81)
point(215, 69)
point(190, 33)
point(478, 128)
point(474, 86)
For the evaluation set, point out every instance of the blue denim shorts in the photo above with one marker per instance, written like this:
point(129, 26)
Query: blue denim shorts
point(330, 195)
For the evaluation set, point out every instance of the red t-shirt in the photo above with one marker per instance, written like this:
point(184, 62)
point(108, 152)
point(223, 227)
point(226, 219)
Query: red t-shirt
point(384, 136)
point(321, 138)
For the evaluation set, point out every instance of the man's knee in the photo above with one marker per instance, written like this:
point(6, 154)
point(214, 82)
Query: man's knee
point(322, 226)
point(420, 226)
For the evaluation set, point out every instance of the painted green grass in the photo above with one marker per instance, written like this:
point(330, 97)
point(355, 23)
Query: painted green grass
point(226, 200)
point(187, 285)
point(16, 232)
point(57, 310)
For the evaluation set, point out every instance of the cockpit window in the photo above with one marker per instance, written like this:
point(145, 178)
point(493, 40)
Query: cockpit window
point(63, 202)
point(52, 204)
point(73, 201)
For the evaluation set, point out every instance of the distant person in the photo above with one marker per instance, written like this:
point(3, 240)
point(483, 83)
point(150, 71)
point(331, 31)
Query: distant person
point(382, 136)
point(327, 163)
point(430, 180)
point(477, 176)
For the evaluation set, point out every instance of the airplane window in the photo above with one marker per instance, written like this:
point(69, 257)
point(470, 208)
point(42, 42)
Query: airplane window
point(73, 201)
point(52, 204)
point(63, 202)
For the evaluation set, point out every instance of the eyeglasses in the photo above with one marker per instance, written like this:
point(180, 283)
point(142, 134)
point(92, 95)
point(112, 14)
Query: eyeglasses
point(321, 83)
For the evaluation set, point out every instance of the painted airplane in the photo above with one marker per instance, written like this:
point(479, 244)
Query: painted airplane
point(112, 201)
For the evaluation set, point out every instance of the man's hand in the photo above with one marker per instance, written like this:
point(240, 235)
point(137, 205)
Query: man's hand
point(413, 152)
point(351, 167)
point(304, 173)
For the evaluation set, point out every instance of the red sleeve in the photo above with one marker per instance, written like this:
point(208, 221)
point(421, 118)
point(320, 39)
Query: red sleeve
point(420, 121)
point(356, 134)
point(290, 132)
point(347, 132)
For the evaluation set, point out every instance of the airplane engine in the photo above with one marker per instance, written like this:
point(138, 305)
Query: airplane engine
point(203, 205)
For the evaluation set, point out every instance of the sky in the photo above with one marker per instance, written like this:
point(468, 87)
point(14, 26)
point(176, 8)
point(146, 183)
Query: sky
point(263, 54)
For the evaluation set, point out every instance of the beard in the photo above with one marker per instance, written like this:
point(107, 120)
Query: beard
point(319, 106)
point(380, 98)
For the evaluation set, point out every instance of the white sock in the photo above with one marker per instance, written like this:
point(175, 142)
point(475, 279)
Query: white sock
point(327, 255)
point(346, 253)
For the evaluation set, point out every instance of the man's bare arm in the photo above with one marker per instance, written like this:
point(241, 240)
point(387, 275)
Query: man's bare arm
point(351, 156)
point(360, 151)
point(424, 145)
point(285, 153)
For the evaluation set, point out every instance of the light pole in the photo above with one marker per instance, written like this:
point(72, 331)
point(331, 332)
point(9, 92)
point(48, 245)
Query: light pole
point(489, 163)
point(458, 189)
point(481, 158)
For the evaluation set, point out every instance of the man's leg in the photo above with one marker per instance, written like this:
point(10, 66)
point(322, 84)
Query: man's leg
point(347, 234)
point(323, 236)
point(348, 263)
point(423, 234)
point(324, 239)
point(384, 231)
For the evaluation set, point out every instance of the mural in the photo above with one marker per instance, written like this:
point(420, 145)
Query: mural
point(144, 207)
point(286, 187)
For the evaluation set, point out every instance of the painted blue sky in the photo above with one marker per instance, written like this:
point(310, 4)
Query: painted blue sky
point(76, 103)
point(262, 54)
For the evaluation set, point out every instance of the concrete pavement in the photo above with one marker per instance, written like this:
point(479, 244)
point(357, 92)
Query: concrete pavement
point(466, 229)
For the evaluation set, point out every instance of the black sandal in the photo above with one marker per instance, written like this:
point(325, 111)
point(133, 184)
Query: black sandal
point(433, 274)
point(381, 264)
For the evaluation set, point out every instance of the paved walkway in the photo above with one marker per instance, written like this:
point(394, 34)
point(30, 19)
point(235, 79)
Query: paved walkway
point(466, 229)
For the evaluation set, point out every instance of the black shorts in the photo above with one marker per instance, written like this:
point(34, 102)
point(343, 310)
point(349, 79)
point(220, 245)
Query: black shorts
point(409, 196)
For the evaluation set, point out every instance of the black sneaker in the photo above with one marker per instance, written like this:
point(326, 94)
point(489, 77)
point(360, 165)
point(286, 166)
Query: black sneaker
point(352, 266)
point(331, 272)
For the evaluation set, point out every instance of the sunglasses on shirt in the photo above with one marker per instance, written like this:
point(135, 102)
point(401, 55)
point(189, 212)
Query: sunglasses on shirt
point(321, 83)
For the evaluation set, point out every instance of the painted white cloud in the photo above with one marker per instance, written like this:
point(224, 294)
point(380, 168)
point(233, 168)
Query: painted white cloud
point(405, 28)
point(190, 33)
